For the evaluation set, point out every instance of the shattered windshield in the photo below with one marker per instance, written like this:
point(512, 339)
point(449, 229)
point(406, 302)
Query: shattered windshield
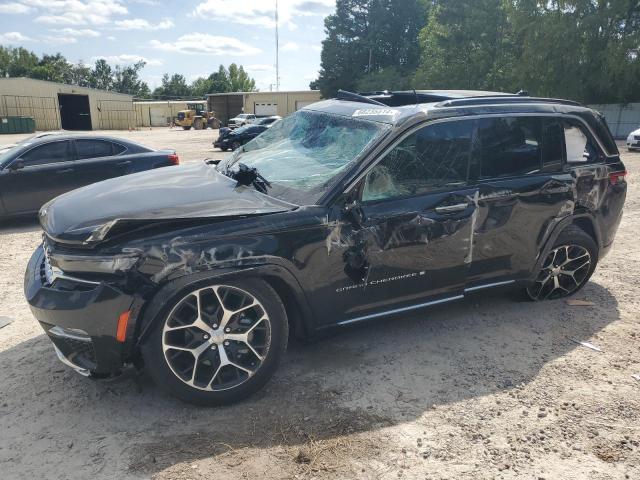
point(302, 154)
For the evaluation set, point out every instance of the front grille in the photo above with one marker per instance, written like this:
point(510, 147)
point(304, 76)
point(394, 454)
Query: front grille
point(637, 137)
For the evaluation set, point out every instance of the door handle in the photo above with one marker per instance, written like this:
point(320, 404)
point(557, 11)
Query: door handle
point(123, 163)
point(458, 207)
point(65, 170)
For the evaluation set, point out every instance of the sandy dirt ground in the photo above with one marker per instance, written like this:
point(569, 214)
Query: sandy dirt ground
point(488, 388)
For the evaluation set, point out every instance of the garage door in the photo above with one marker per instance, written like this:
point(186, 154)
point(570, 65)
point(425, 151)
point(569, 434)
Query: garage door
point(301, 104)
point(266, 109)
point(158, 117)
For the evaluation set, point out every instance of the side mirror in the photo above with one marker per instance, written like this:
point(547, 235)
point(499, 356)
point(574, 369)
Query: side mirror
point(17, 165)
point(353, 211)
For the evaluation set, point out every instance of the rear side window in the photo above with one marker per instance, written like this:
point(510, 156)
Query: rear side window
point(96, 149)
point(509, 146)
point(53, 152)
point(580, 146)
point(434, 157)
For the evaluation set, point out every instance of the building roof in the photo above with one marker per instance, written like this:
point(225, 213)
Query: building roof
point(165, 102)
point(262, 93)
point(49, 83)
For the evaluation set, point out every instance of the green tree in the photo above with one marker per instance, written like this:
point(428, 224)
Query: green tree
point(200, 87)
point(126, 79)
point(239, 80)
point(220, 82)
point(101, 76)
point(373, 39)
point(579, 49)
point(467, 45)
point(174, 86)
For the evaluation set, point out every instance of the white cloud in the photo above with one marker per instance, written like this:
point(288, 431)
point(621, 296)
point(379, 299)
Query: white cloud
point(14, 8)
point(76, 12)
point(316, 48)
point(76, 32)
point(261, 12)
point(259, 68)
point(205, 44)
point(128, 59)
point(56, 40)
point(13, 37)
point(142, 24)
point(290, 47)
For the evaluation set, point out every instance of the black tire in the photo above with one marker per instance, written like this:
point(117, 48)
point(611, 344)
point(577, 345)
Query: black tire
point(157, 363)
point(570, 244)
point(224, 149)
point(186, 128)
point(235, 146)
point(197, 124)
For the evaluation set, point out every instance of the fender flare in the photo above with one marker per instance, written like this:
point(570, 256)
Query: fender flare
point(555, 233)
point(147, 311)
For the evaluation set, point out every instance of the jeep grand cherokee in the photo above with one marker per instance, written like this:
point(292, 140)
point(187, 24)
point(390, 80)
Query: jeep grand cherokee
point(349, 210)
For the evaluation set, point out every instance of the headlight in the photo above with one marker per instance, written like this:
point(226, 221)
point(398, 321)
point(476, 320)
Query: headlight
point(93, 264)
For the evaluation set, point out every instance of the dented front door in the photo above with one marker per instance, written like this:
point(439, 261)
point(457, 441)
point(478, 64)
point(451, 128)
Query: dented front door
point(411, 242)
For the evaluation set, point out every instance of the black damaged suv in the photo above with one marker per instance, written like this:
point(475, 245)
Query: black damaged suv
point(349, 210)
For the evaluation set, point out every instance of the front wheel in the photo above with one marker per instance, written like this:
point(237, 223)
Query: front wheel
point(235, 145)
point(186, 128)
point(567, 267)
point(217, 342)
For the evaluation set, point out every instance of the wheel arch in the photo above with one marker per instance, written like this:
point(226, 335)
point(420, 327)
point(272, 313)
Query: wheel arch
point(583, 221)
point(277, 277)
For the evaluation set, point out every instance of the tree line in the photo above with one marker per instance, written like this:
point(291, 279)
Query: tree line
point(585, 50)
point(20, 62)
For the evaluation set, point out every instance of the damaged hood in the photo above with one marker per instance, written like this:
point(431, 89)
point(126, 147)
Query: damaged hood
point(196, 191)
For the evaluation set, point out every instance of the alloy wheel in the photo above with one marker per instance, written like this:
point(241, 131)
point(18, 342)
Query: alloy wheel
point(216, 338)
point(564, 271)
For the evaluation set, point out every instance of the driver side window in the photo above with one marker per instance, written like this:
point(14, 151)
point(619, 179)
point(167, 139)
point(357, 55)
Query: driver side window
point(429, 159)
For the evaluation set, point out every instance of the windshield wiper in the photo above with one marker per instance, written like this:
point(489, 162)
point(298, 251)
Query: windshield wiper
point(249, 176)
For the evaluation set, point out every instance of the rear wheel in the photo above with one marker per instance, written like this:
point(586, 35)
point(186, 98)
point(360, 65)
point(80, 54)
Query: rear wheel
point(567, 267)
point(217, 342)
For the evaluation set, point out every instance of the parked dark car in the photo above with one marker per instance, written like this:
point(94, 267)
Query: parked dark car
point(42, 167)
point(344, 212)
point(268, 120)
point(225, 132)
point(234, 139)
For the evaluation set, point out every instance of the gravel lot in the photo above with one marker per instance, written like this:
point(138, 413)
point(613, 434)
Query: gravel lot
point(487, 388)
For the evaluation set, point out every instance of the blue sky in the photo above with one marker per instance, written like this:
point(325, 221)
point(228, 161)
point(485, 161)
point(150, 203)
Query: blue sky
point(182, 36)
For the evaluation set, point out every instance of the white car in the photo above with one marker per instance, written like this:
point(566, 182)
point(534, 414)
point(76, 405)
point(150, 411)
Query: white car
point(633, 140)
point(242, 119)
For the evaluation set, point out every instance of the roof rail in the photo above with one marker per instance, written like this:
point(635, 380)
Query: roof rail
point(354, 97)
point(515, 99)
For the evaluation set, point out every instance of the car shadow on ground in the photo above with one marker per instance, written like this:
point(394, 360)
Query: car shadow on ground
point(19, 225)
point(369, 377)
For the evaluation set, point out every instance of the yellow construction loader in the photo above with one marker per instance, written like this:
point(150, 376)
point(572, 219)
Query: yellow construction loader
point(196, 116)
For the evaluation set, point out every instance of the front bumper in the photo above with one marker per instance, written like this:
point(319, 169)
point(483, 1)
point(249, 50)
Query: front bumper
point(224, 143)
point(80, 319)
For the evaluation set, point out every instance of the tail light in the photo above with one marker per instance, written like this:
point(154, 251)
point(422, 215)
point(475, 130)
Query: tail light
point(174, 159)
point(617, 177)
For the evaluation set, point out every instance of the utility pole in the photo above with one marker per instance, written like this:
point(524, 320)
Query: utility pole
point(277, 53)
